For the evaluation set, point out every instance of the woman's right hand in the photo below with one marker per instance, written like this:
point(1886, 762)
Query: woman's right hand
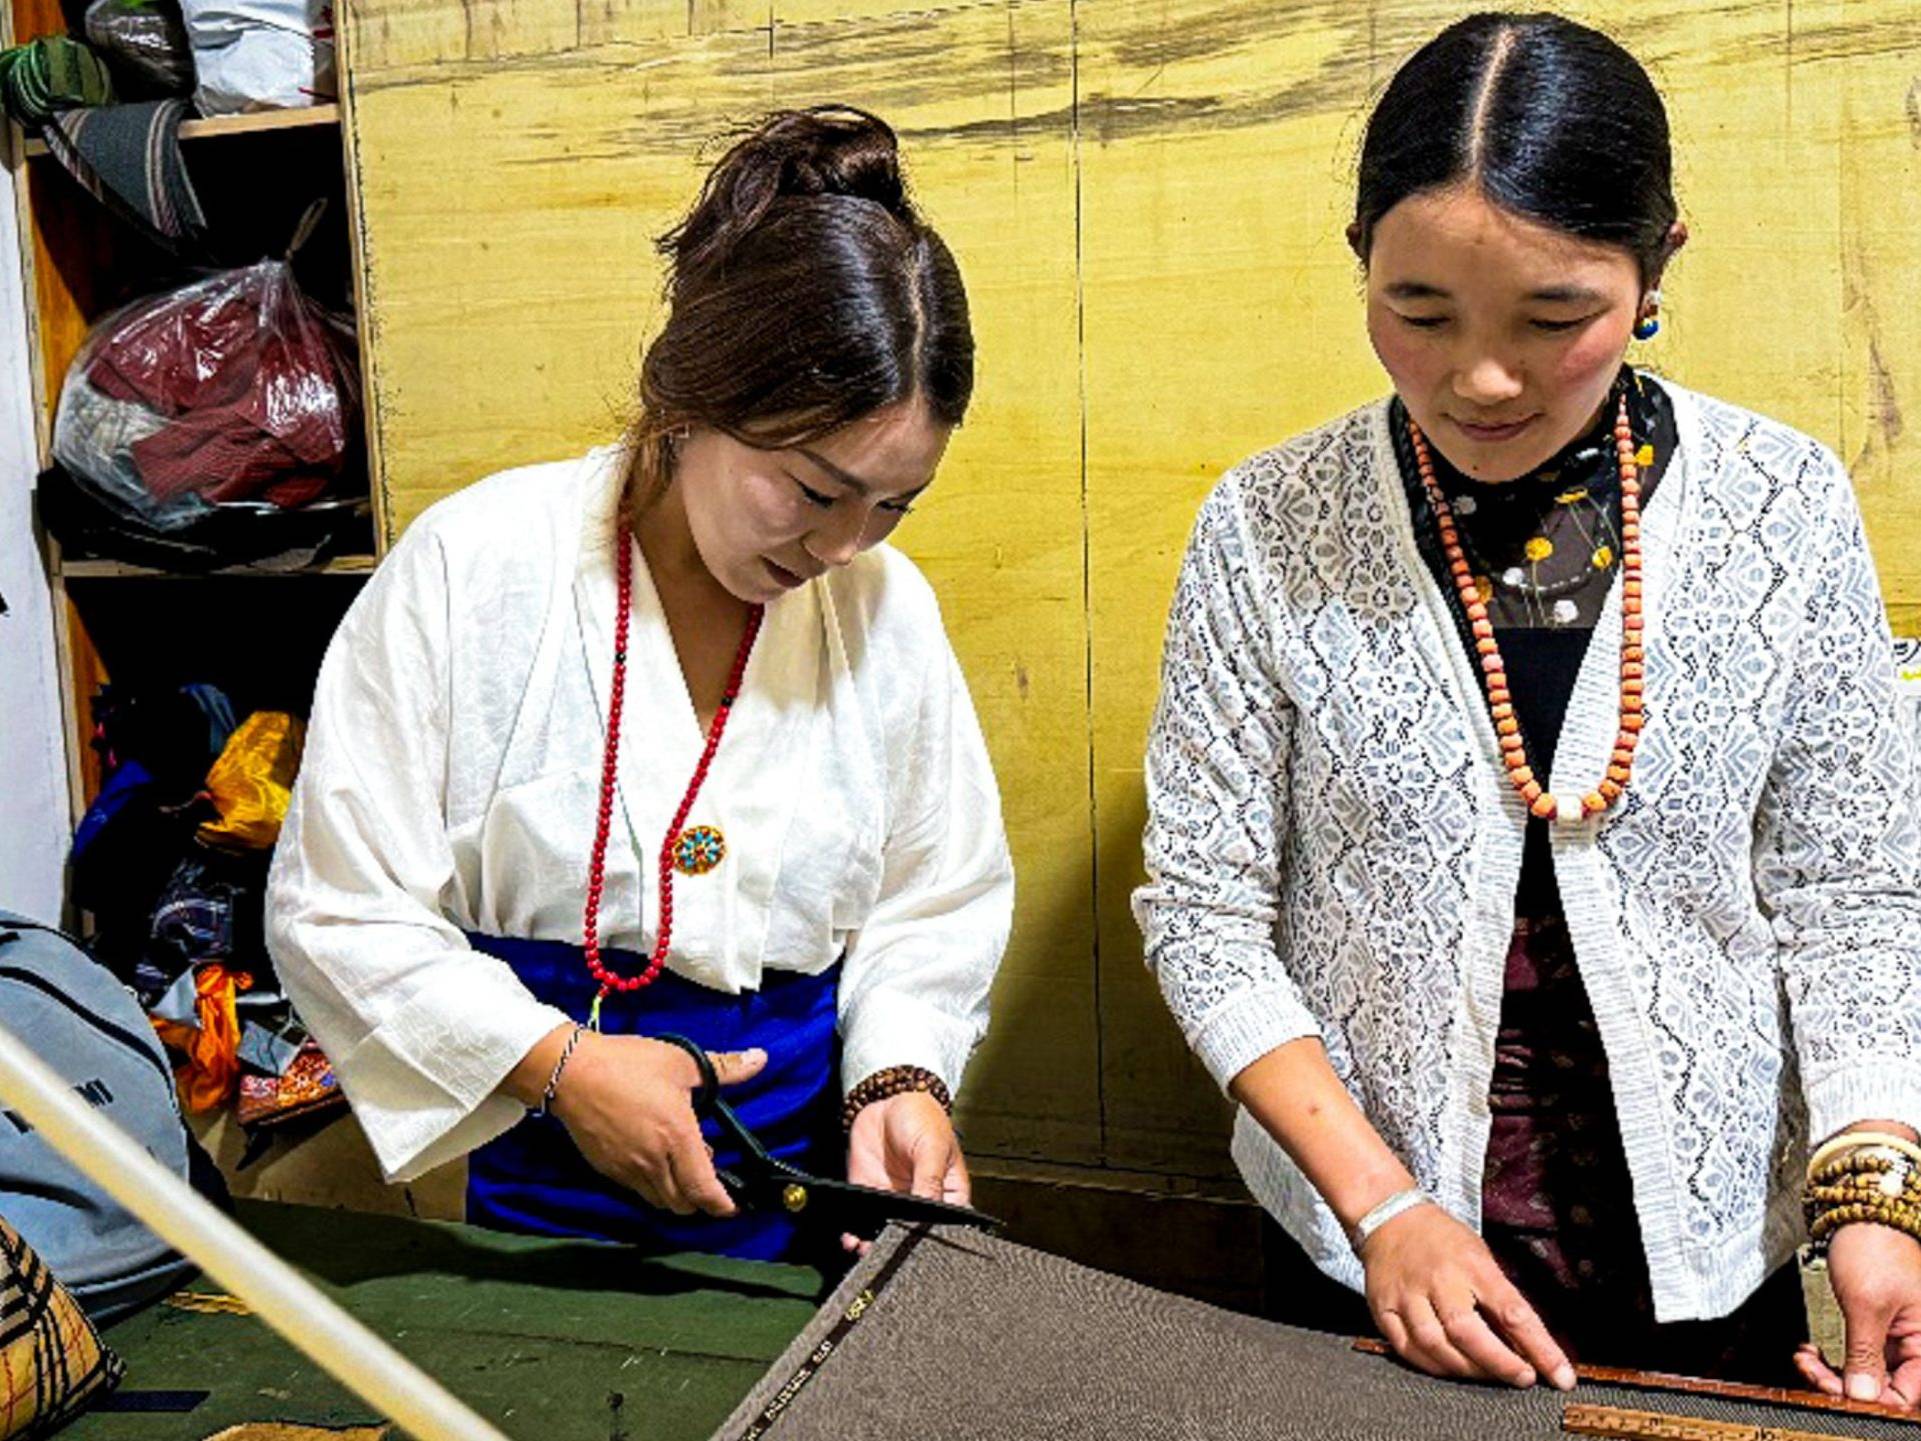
point(1445, 1305)
point(628, 1103)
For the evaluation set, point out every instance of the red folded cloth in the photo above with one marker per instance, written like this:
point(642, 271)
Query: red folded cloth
point(259, 388)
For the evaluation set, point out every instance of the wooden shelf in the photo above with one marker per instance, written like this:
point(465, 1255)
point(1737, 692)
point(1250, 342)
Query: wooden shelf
point(252, 124)
point(111, 569)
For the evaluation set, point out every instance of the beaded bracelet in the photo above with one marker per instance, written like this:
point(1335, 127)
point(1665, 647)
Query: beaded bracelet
point(893, 1081)
point(1863, 1164)
point(1866, 1183)
point(1863, 1177)
point(1864, 1173)
point(1849, 1142)
point(1848, 1197)
point(1903, 1218)
point(553, 1081)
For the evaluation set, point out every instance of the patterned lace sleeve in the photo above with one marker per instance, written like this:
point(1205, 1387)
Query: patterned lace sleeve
point(1838, 846)
point(1216, 798)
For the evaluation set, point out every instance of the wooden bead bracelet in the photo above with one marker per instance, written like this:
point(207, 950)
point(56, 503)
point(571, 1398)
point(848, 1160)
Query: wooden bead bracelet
point(1903, 1218)
point(1863, 1178)
point(893, 1081)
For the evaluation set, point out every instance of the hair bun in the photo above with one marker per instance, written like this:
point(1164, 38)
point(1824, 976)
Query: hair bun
point(832, 150)
point(826, 150)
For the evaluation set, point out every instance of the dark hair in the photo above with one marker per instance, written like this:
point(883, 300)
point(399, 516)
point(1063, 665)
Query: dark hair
point(1547, 118)
point(804, 291)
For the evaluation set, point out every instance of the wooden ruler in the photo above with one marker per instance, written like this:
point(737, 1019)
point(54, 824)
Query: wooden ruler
point(1623, 1425)
point(1809, 1400)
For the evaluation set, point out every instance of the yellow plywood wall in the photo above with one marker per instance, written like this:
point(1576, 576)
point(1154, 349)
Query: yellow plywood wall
point(1147, 200)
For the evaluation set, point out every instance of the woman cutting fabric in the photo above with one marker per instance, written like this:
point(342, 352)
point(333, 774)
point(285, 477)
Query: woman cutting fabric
point(1531, 845)
point(663, 740)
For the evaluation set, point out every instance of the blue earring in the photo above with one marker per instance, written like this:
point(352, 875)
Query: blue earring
point(1649, 325)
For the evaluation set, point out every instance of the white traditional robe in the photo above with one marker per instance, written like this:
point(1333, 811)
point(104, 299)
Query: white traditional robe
point(451, 780)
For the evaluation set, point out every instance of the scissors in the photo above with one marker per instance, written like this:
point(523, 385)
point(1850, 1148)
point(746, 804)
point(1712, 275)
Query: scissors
point(764, 1182)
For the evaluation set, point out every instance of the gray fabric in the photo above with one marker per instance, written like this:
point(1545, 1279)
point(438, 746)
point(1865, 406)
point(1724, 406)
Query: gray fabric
point(952, 1335)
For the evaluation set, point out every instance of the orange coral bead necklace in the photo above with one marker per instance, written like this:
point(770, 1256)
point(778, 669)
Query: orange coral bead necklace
point(1540, 801)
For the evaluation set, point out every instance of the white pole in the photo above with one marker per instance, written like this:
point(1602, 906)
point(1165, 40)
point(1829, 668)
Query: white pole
point(356, 1357)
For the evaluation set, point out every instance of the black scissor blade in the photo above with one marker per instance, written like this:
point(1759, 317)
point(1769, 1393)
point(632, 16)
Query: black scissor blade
point(866, 1210)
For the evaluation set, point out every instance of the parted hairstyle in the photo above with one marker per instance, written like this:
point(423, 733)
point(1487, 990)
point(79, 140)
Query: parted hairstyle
point(1548, 119)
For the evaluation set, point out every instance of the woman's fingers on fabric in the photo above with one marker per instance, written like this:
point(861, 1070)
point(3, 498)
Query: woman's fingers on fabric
point(1393, 1328)
point(1471, 1335)
point(1432, 1342)
point(1511, 1315)
point(625, 1160)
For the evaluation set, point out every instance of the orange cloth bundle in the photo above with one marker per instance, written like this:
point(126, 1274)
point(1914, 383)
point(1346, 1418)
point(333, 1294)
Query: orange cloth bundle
point(252, 781)
point(212, 1047)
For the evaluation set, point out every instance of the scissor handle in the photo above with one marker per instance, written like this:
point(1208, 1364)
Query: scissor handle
point(755, 1160)
point(708, 1096)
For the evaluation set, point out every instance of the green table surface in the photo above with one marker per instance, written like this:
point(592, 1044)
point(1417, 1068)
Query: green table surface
point(550, 1340)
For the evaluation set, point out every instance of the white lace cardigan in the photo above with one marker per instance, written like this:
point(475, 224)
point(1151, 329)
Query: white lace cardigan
point(1332, 847)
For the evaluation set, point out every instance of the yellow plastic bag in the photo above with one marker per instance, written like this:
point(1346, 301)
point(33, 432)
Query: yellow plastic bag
point(252, 780)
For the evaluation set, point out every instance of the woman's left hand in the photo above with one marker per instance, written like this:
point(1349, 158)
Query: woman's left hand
point(1876, 1273)
point(906, 1143)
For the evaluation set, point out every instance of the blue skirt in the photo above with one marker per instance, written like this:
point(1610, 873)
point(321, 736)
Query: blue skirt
point(534, 1179)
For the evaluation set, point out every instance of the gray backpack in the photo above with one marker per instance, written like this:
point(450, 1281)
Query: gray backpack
point(73, 1014)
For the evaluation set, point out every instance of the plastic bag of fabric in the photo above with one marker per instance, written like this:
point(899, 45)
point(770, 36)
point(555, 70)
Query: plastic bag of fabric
point(236, 388)
point(144, 43)
point(252, 781)
point(261, 54)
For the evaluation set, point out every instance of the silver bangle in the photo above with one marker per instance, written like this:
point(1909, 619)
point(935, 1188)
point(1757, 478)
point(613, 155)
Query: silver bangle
point(1397, 1204)
point(553, 1081)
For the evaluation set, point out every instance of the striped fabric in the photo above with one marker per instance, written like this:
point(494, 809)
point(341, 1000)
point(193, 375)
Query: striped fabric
point(128, 156)
point(45, 76)
point(52, 1362)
